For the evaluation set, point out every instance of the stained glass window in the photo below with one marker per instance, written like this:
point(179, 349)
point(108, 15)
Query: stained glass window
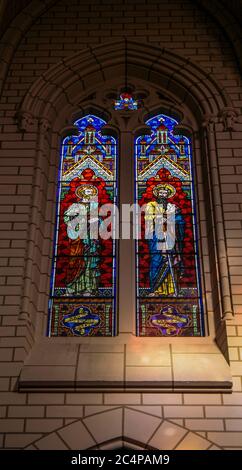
point(83, 281)
point(167, 268)
point(126, 102)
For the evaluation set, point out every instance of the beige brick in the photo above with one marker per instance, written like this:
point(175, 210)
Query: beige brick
point(12, 398)
point(46, 398)
point(223, 411)
point(84, 398)
point(162, 399)
point(237, 385)
point(15, 342)
point(20, 440)
point(233, 424)
point(226, 438)
point(7, 331)
point(236, 368)
point(183, 411)
point(122, 398)
point(6, 354)
point(43, 425)
point(235, 289)
point(204, 424)
point(3, 411)
point(233, 399)
point(8, 369)
point(11, 425)
point(64, 411)
point(202, 399)
point(26, 411)
point(4, 384)
point(20, 354)
point(48, 373)
point(231, 330)
point(233, 354)
point(237, 308)
point(234, 341)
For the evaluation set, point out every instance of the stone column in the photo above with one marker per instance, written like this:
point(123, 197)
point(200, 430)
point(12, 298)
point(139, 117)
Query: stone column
point(222, 258)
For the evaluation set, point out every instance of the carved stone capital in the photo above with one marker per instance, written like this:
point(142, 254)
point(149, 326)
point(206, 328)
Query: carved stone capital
point(228, 117)
point(44, 125)
point(209, 122)
point(26, 121)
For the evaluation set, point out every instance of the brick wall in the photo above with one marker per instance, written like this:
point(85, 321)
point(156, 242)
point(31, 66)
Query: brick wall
point(62, 420)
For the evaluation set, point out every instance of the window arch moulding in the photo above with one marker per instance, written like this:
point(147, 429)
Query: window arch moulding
point(172, 364)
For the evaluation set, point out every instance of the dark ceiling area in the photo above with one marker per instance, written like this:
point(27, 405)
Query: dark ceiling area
point(8, 10)
point(11, 8)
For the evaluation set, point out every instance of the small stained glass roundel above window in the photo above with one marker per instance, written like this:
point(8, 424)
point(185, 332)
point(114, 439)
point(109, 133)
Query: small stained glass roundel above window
point(126, 102)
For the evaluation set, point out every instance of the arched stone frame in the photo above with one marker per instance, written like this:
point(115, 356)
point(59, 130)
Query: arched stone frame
point(132, 429)
point(62, 91)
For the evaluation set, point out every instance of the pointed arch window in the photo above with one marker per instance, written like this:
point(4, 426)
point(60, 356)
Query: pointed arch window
point(167, 270)
point(83, 282)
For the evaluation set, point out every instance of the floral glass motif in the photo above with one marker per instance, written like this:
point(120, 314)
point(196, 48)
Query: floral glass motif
point(126, 102)
point(168, 281)
point(83, 282)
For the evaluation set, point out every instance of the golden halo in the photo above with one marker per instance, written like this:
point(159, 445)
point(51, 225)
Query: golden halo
point(81, 189)
point(169, 187)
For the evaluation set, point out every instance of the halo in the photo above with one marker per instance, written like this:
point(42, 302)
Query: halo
point(80, 190)
point(169, 187)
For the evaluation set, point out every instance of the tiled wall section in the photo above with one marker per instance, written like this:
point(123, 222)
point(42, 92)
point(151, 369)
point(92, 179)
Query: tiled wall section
point(163, 421)
point(206, 421)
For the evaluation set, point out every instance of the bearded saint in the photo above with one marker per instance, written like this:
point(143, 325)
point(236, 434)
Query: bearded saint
point(165, 247)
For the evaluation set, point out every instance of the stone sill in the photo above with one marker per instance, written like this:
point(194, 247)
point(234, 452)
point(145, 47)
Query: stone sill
point(126, 364)
point(107, 387)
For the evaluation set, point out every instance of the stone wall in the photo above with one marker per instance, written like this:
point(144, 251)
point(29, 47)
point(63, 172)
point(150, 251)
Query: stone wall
point(43, 35)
